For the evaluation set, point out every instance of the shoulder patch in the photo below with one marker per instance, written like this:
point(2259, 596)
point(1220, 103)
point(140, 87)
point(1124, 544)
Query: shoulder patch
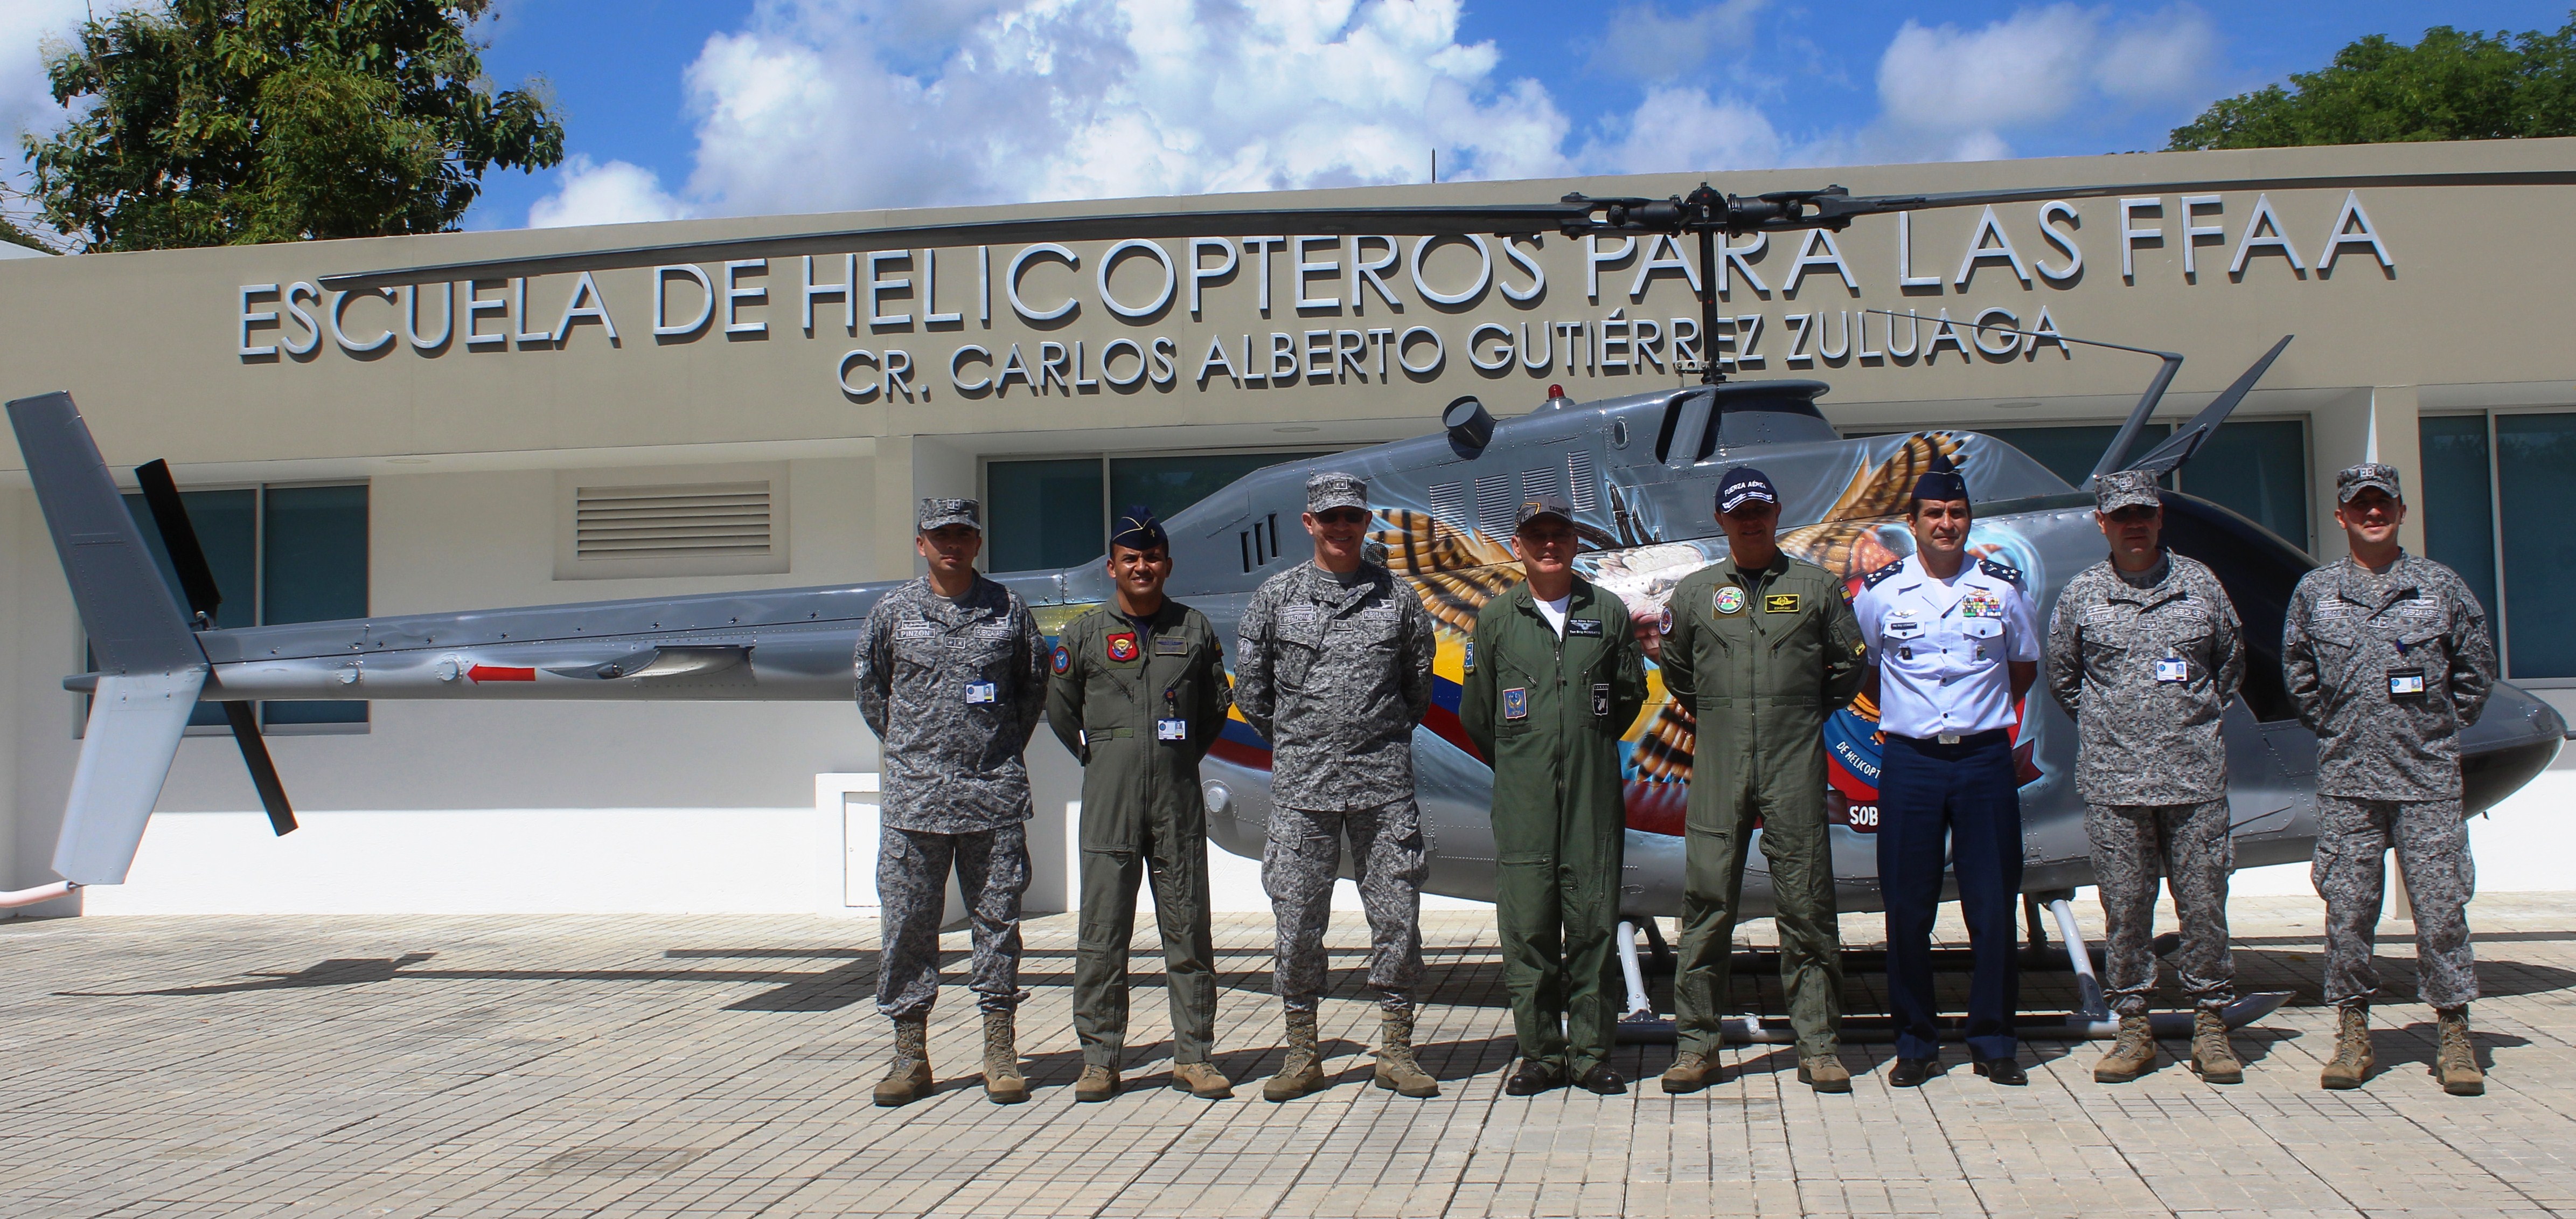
point(2005, 572)
point(1063, 659)
point(1875, 578)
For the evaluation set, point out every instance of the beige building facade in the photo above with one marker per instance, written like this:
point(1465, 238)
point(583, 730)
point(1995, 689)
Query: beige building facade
point(458, 445)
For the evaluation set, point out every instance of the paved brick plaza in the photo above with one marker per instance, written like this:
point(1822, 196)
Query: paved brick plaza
point(567, 1066)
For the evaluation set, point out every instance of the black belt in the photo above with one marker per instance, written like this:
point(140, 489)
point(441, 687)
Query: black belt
point(1991, 736)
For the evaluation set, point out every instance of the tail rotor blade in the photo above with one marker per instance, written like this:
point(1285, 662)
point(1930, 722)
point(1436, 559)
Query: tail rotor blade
point(2178, 448)
point(263, 773)
point(179, 537)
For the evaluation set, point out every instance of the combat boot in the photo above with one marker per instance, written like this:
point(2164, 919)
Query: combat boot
point(2353, 1060)
point(1202, 1080)
point(1003, 1083)
point(2211, 1055)
point(1096, 1085)
point(1397, 1070)
point(1825, 1073)
point(2133, 1055)
point(1302, 1072)
point(1689, 1073)
point(2457, 1061)
point(907, 1078)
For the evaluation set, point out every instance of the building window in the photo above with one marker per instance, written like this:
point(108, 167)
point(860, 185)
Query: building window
point(279, 554)
point(1051, 513)
point(2258, 467)
point(2474, 465)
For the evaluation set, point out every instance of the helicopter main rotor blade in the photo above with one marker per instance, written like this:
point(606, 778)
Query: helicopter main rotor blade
point(1398, 221)
point(1832, 208)
point(1575, 215)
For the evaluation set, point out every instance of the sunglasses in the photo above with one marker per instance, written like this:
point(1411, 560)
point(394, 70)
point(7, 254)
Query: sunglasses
point(1343, 516)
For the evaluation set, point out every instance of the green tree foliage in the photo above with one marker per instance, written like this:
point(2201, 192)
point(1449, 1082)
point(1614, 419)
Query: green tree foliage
point(220, 122)
point(2453, 85)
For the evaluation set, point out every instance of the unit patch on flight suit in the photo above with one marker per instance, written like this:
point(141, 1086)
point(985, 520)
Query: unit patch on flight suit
point(1729, 600)
point(1780, 603)
point(1122, 646)
point(1516, 703)
point(1063, 659)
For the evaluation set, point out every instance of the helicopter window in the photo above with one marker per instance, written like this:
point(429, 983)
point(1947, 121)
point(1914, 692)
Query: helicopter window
point(2259, 571)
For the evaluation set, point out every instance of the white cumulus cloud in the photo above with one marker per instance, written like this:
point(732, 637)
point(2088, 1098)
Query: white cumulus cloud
point(588, 192)
point(829, 104)
point(1684, 129)
point(1640, 40)
point(1953, 93)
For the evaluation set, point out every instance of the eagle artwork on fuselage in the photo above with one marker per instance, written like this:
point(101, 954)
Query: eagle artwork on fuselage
point(1440, 545)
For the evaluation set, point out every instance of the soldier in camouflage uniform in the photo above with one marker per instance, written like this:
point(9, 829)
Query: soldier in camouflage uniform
point(952, 679)
point(2388, 658)
point(1139, 694)
point(1334, 670)
point(2144, 651)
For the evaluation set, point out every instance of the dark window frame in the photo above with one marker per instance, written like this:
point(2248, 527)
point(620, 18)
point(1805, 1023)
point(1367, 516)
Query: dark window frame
point(1106, 460)
point(257, 594)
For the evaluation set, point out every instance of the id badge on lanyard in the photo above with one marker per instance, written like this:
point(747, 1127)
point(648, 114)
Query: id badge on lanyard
point(2172, 669)
point(979, 693)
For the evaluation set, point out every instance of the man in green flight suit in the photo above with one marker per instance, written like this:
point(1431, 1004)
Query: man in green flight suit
point(1761, 648)
point(1554, 678)
point(1139, 692)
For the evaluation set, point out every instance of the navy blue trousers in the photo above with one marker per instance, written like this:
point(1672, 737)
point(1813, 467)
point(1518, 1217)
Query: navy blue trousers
point(1927, 791)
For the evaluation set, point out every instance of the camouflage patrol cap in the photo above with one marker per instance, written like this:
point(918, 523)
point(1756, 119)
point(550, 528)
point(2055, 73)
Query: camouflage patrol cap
point(2356, 479)
point(2125, 489)
point(936, 513)
point(1331, 489)
point(1544, 503)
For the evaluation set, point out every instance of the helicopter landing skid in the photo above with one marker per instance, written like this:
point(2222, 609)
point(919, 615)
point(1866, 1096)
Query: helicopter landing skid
point(1640, 1025)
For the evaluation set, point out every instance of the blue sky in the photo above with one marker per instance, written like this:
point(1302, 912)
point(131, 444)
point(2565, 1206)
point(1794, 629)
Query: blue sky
point(714, 107)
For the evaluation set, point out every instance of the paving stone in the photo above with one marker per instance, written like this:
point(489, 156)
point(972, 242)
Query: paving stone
point(666, 1066)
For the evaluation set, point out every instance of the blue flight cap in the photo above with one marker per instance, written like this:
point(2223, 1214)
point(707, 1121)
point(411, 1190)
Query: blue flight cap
point(1138, 530)
point(1941, 480)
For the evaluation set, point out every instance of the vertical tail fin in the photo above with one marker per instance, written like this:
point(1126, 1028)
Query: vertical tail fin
point(151, 666)
point(133, 624)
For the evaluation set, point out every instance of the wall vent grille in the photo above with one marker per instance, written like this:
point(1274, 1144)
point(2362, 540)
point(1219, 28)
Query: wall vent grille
point(678, 521)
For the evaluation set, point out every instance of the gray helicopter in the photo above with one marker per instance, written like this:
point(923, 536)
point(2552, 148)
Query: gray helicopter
point(1640, 471)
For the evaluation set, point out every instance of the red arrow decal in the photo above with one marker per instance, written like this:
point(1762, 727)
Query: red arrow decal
point(484, 673)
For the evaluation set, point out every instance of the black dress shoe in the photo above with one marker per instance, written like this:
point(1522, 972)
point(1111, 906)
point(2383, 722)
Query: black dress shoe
point(1533, 1078)
point(2004, 1071)
point(1603, 1081)
point(1911, 1072)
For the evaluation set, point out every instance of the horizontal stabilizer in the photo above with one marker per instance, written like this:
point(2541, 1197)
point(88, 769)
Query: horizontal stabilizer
point(135, 721)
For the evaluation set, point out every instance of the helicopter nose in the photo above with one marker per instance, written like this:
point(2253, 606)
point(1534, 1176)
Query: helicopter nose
point(2515, 739)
